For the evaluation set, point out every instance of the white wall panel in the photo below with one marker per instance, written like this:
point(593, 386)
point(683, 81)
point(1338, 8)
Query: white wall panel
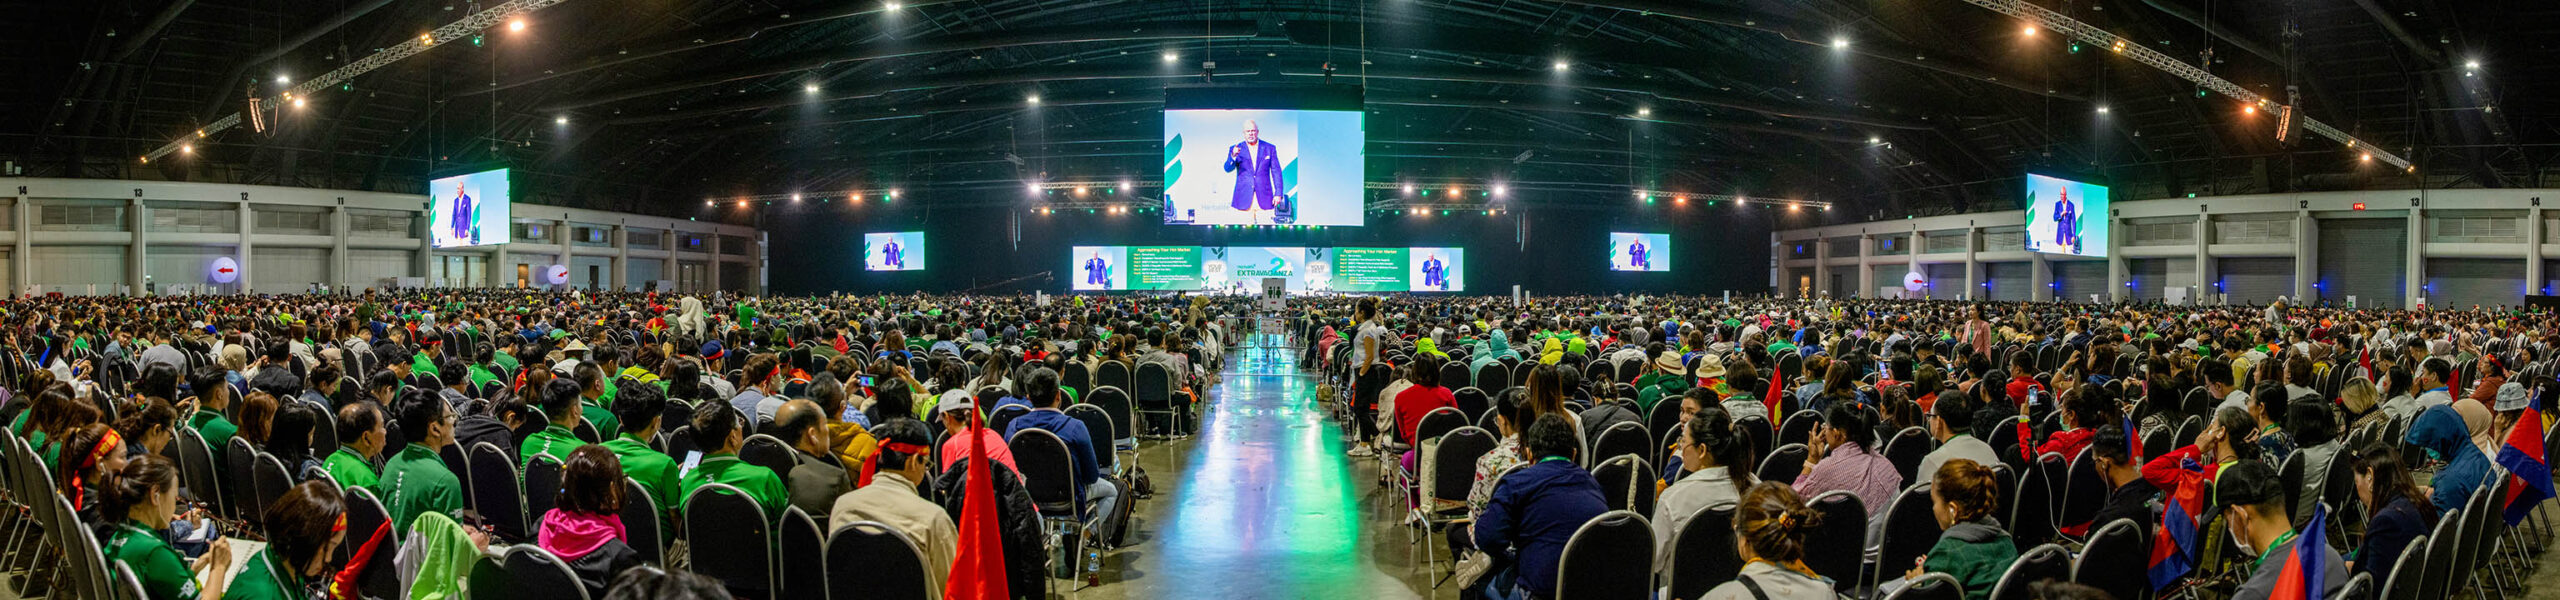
point(287, 270)
point(185, 265)
point(71, 269)
point(370, 267)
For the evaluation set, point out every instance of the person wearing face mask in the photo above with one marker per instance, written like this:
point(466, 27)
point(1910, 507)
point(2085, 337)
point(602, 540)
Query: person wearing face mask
point(2262, 527)
point(2440, 431)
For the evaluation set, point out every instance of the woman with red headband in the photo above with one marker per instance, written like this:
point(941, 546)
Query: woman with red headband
point(91, 455)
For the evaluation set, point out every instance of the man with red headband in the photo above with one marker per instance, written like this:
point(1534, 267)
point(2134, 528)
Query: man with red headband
point(889, 497)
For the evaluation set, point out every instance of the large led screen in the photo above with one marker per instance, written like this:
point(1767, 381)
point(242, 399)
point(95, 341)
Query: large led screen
point(895, 251)
point(468, 210)
point(1639, 251)
point(1241, 269)
point(1263, 167)
point(2066, 217)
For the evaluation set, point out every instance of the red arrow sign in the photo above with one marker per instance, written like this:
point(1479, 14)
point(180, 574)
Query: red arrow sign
point(222, 270)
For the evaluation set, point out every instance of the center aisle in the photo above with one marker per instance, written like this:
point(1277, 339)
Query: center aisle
point(1263, 503)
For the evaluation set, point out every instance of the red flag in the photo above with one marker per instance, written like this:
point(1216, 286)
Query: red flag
point(977, 569)
point(1777, 385)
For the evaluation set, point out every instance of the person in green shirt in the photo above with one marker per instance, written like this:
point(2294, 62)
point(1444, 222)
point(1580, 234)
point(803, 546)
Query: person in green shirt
point(143, 501)
point(641, 412)
point(303, 528)
point(719, 431)
point(416, 480)
point(213, 396)
point(557, 440)
point(506, 355)
point(592, 405)
point(1670, 379)
point(362, 434)
point(479, 373)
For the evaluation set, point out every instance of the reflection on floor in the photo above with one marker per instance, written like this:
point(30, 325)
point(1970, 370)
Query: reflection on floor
point(1263, 503)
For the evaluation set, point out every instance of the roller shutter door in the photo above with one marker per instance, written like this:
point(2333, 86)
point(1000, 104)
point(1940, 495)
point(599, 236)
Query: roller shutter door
point(2079, 279)
point(287, 270)
point(2365, 258)
point(374, 268)
point(184, 265)
point(73, 269)
point(2463, 282)
point(2011, 281)
point(2255, 280)
point(1946, 282)
point(2149, 277)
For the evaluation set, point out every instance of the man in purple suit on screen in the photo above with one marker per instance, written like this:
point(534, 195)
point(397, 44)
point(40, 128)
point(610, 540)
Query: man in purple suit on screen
point(464, 228)
point(1256, 164)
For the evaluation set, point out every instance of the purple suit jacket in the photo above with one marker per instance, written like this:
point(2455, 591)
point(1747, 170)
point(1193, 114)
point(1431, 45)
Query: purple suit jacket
point(1258, 183)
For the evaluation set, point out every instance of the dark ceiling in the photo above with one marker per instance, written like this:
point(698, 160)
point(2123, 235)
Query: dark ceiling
point(671, 102)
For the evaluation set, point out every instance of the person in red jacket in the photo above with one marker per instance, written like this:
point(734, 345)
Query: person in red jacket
point(2084, 408)
point(2198, 463)
point(2022, 379)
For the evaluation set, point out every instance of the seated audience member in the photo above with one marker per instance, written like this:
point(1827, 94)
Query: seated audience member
point(641, 410)
point(1840, 460)
point(958, 417)
point(890, 498)
point(595, 391)
point(361, 436)
point(213, 400)
point(2440, 432)
point(415, 480)
point(1951, 422)
point(719, 431)
point(1094, 486)
point(653, 583)
point(501, 425)
point(1768, 529)
point(1420, 399)
point(846, 436)
point(2405, 513)
point(140, 503)
point(91, 455)
point(1535, 510)
point(1025, 549)
point(2129, 496)
point(148, 427)
point(2214, 450)
point(816, 479)
point(289, 438)
point(2254, 506)
point(2267, 408)
point(2084, 408)
point(256, 416)
point(558, 437)
point(2313, 426)
point(1711, 455)
point(584, 527)
point(303, 528)
point(1972, 547)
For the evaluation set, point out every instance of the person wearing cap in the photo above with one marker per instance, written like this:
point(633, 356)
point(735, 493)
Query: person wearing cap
point(956, 418)
point(1668, 379)
point(1710, 373)
point(2253, 498)
point(890, 498)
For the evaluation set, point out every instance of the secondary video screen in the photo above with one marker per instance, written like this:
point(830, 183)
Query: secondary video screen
point(468, 210)
point(1241, 269)
point(1639, 251)
point(2066, 217)
point(894, 251)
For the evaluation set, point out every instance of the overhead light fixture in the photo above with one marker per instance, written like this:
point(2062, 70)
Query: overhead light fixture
point(2030, 31)
point(1874, 140)
point(2102, 109)
point(1562, 66)
point(1172, 57)
point(284, 79)
point(811, 88)
point(893, 6)
point(856, 197)
point(1643, 111)
point(560, 120)
point(795, 196)
point(1500, 189)
point(516, 25)
point(742, 203)
point(1453, 191)
point(1079, 190)
point(1840, 43)
point(2368, 157)
point(1032, 188)
point(2249, 110)
point(2473, 64)
point(1035, 99)
point(187, 148)
point(297, 103)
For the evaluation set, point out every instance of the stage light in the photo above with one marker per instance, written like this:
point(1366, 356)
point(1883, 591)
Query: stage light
point(893, 194)
point(1499, 189)
point(2368, 157)
point(1079, 191)
point(811, 88)
point(428, 38)
point(742, 203)
point(706, 203)
point(2473, 64)
point(284, 79)
point(1839, 43)
point(892, 7)
point(146, 160)
point(560, 120)
point(1170, 57)
point(1408, 189)
point(2249, 110)
point(2030, 31)
point(1562, 66)
point(1033, 189)
point(795, 196)
point(297, 103)
point(187, 148)
point(1644, 111)
point(1794, 207)
point(854, 198)
point(1874, 140)
point(1680, 200)
point(1035, 99)
point(1453, 191)
point(516, 25)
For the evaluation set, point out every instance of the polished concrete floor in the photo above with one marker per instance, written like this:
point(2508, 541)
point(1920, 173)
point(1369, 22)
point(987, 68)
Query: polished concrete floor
point(1262, 503)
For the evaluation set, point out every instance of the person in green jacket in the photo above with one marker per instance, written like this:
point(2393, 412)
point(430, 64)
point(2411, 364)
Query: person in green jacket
point(213, 396)
point(641, 410)
point(416, 481)
point(145, 499)
point(360, 427)
point(592, 404)
point(720, 430)
point(1973, 548)
point(1669, 379)
point(303, 528)
point(555, 441)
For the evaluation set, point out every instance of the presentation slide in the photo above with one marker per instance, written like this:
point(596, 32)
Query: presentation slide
point(1639, 251)
point(1436, 269)
point(1099, 268)
point(468, 210)
point(1263, 167)
point(1241, 269)
point(2066, 217)
point(896, 251)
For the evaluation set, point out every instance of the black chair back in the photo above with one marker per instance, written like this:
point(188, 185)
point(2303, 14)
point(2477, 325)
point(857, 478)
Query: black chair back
point(1097, 425)
point(1455, 470)
point(2437, 575)
point(1930, 586)
point(1844, 518)
point(542, 488)
point(1761, 436)
point(1438, 422)
point(2359, 587)
point(1703, 552)
point(804, 556)
point(496, 493)
point(1618, 476)
point(988, 395)
point(891, 566)
point(1783, 464)
point(1453, 375)
point(1907, 449)
point(1799, 427)
point(272, 480)
point(768, 452)
point(2405, 572)
point(1115, 403)
point(1910, 526)
point(680, 443)
point(1074, 375)
point(2047, 562)
point(1048, 471)
point(459, 462)
point(239, 462)
point(2031, 510)
point(1626, 438)
point(1609, 558)
point(532, 572)
point(364, 515)
point(2085, 494)
point(1002, 418)
point(732, 541)
point(2159, 441)
point(197, 475)
point(2115, 559)
point(640, 522)
point(1112, 373)
point(1474, 402)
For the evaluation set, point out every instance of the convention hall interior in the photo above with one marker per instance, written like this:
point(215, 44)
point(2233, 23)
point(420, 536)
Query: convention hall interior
point(1279, 299)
